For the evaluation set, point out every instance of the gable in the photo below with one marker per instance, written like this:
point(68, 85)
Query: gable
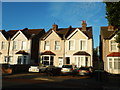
point(77, 34)
point(19, 36)
point(53, 35)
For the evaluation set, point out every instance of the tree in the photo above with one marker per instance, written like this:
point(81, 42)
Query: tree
point(113, 13)
point(113, 16)
point(118, 39)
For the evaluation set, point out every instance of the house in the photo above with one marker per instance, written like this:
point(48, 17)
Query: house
point(23, 46)
point(109, 51)
point(67, 46)
point(4, 42)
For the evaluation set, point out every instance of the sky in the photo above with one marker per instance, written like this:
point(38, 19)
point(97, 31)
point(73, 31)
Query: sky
point(35, 15)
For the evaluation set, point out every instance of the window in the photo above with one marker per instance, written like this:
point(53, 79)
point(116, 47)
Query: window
point(47, 45)
point(3, 45)
point(14, 45)
point(113, 45)
point(24, 59)
point(71, 45)
point(116, 63)
point(5, 59)
point(23, 46)
point(57, 45)
point(47, 60)
point(19, 60)
point(80, 61)
point(83, 45)
point(110, 63)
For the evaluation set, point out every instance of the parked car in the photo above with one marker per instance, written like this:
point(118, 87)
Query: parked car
point(33, 69)
point(67, 69)
point(42, 69)
point(84, 71)
point(53, 71)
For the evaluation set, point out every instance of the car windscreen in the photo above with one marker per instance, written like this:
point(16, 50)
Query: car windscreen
point(82, 68)
point(67, 66)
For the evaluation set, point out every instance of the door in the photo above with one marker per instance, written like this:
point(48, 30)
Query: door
point(60, 61)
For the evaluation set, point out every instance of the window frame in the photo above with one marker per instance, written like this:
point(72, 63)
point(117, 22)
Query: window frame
point(81, 45)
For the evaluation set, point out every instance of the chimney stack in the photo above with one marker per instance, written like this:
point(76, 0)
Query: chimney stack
point(84, 25)
point(54, 27)
point(110, 28)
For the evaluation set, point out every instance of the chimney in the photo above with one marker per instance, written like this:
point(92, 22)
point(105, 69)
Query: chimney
point(84, 25)
point(110, 28)
point(54, 27)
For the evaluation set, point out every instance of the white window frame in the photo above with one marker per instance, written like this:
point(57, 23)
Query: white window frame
point(23, 45)
point(46, 48)
point(110, 48)
point(73, 48)
point(3, 45)
point(113, 61)
point(14, 45)
point(81, 49)
point(57, 47)
point(79, 61)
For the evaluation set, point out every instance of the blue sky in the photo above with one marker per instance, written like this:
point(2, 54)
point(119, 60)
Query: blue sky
point(34, 15)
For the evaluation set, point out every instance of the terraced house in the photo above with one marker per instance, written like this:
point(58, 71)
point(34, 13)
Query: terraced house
point(20, 46)
point(109, 51)
point(67, 46)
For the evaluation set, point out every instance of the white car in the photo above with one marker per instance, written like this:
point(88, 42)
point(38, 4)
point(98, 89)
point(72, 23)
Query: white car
point(34, 69)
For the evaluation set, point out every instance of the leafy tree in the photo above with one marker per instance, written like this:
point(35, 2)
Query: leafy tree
point(118, 39)
point(113, 13)
point(113, 16)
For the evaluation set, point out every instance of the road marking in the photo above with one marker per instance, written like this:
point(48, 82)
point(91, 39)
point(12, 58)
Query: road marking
point(46, 79)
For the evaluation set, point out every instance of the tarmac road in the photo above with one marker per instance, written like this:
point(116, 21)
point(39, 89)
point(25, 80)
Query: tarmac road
point(40, 80)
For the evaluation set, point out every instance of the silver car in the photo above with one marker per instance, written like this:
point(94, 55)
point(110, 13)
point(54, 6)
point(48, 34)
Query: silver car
point(67, 69)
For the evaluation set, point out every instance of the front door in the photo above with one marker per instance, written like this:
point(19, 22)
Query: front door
point(60, 61)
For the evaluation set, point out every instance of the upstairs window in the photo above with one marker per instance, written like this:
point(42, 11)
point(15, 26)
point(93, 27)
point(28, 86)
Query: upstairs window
point(14, 45)
point(83, 45)
point(47, 45)
point(23, 46)
point(113, 45)
point(57, 45)
point(71, 45)
point(3, 45)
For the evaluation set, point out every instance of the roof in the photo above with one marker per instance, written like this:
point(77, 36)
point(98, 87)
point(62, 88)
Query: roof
point(47, 53)
point(65, 32)
point(114, 54)
point(22, 52)
point(5, 34)
point(27, 32)
point(82, 53)
point(106, 34)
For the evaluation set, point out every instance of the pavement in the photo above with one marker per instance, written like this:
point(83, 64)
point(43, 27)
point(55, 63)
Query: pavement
point(41, 80)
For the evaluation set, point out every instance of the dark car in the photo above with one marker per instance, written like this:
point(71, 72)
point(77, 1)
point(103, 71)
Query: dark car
point(84, 71)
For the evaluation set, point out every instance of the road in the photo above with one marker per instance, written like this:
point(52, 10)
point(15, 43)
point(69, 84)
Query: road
point(40, 80)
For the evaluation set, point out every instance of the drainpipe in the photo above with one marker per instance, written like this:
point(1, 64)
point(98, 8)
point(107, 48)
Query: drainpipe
point(64, 50)
point(8, 51)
